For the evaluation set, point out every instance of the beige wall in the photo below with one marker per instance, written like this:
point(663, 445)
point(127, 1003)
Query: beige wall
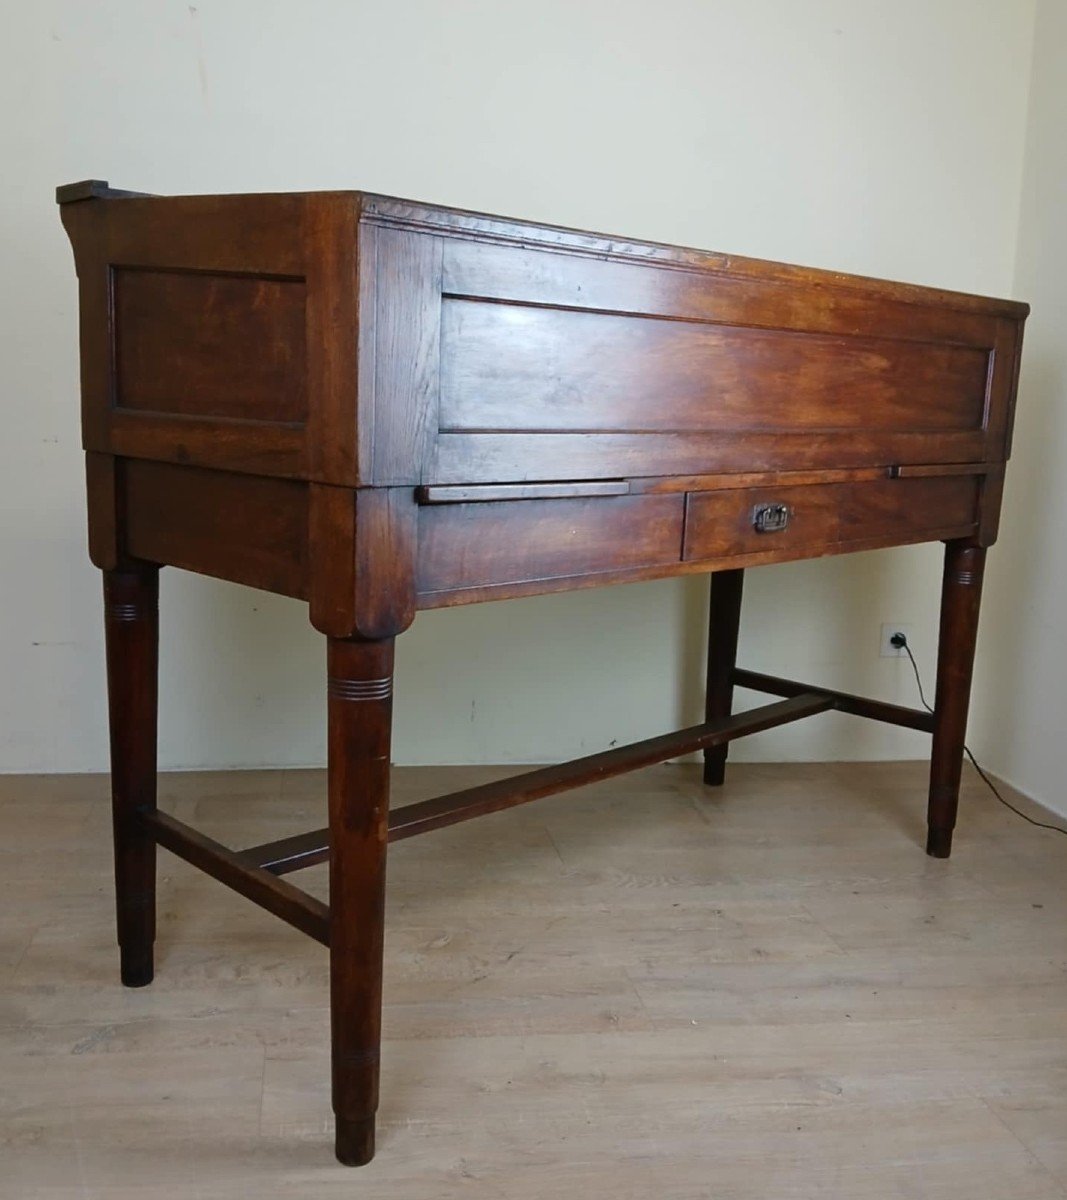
point(1020, 723)
point(873, 137)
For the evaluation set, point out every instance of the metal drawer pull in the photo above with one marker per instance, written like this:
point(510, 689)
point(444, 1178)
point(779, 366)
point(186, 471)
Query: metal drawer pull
point(770, 518)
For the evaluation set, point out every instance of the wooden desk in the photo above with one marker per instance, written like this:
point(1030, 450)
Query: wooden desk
point(380, 406)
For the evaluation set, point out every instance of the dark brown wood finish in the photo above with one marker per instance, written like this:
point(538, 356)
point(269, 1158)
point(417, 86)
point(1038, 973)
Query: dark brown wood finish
point(720, 523)
point(103, 502)
point(724, 623)
point(234, 345)
point(482, 235)
point(131, 625)
point(530, 369)
point(989, 501)
point(859, 706)
point(277, 896)
point(250, 529)
point(506, 793)
point(700, 361)
point(407, 350)
point(380, 406)
point(307, 849)
point(496, 543)
point(961, 594)
point(486, 457)
point(359, 705)
point(489, 548)
point(339, 330)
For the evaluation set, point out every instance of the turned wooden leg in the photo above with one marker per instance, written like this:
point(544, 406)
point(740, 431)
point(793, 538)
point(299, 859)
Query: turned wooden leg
point(724, 620)
point(360, 688)
point(961, 595)
point(131, 625)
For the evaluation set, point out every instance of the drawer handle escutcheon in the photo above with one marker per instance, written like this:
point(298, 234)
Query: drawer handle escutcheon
point(770, 518)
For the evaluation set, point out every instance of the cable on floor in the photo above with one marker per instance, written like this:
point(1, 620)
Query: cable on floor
point(903, 643)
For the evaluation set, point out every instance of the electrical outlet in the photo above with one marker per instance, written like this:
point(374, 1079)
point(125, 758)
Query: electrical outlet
point(886, 649)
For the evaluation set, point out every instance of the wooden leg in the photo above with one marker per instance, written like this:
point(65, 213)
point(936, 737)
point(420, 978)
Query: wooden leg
point(131, 625)
point(724, 620)
point(360, 688)
point(960, 598)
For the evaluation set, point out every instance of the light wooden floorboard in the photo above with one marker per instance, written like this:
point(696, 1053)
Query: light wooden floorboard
point(642, 989)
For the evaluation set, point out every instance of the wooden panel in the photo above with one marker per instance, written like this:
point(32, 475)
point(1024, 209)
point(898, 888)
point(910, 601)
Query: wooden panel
point(102, 507)
point(407, 324)
point(202, 344)
point(530, 276)
point(181, 242)
point(908, 506)
point(523, 368)
point(87, 228)
point(512, 235)
point(487, 544)
point(1003, 385)
point(989, 502)
point(257, 447)
point(474, 552)
point(649, 361)
point(476, 593)
point(720, 523)
point(334, 331)
point(244, 528)
point(373, 312)
point(254, 234)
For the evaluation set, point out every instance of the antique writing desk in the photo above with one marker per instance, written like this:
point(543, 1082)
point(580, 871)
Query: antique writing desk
point(379, 406)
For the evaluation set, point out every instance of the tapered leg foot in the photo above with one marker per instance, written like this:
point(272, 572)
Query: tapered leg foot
point(715, 767)
point(354, 1141)
point(131, 623)
point(960, 599)
point(359, 712)
point(724, 621)
point(939, 843)
point(136, 966)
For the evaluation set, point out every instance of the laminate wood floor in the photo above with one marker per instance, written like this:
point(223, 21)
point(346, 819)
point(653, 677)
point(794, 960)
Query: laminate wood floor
point(643, 989)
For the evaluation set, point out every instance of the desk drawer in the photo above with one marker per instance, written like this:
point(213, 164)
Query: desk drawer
point(499, 543)
point(723, 523)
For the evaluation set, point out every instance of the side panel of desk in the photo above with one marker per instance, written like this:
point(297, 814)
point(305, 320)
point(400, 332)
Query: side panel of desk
point(221, 331)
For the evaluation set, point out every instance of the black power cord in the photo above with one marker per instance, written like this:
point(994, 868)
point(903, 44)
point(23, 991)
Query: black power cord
point(900, 642)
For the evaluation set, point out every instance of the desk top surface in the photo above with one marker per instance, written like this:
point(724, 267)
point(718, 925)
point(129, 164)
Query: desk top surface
point(437, 218)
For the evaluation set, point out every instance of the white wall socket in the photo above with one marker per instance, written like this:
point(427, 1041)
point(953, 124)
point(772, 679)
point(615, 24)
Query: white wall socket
point(886, 650)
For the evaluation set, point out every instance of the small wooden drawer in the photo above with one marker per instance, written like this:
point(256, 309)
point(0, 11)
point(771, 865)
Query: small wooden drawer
point(884, 511)
point(500, 543)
